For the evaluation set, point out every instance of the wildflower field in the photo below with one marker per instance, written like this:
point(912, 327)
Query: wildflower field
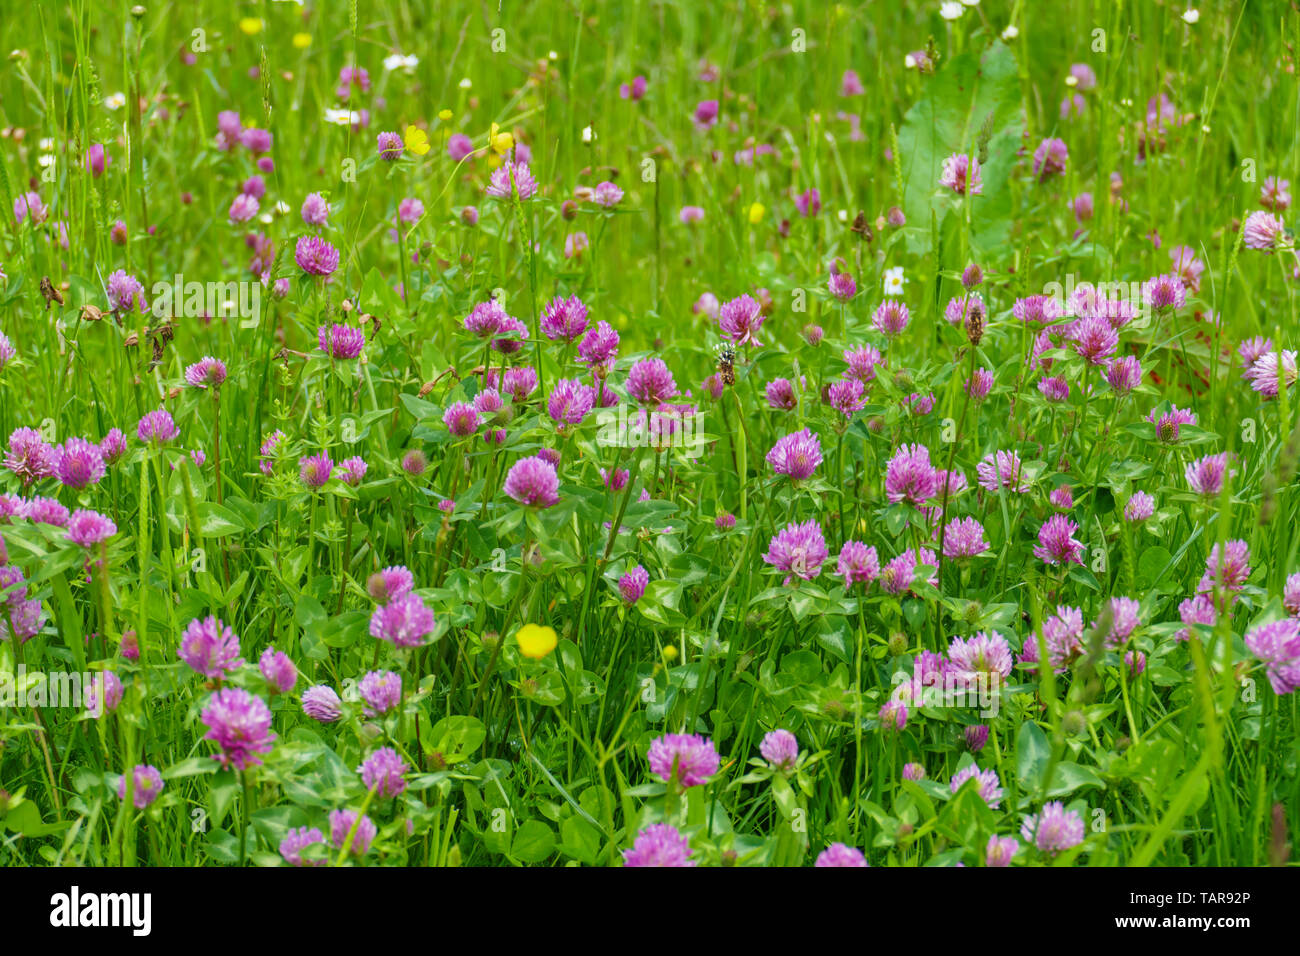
point(649, 434)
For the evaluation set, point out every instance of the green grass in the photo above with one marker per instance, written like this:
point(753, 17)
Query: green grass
point(522, 761)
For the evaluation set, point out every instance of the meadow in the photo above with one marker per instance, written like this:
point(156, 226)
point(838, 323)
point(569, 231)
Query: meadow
point(640, 433)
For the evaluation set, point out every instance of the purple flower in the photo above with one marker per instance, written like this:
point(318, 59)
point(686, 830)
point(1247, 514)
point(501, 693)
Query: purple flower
point(633, 584)
point(206, 372)
point(146, 784)
point(1054, 829)
point(706, 114)
point(979, 385)
point(891, 318)
point(976, 736)
point(459, 146)
point(862, 363)
point(987, 783)
point(740, 320)
point(1198, 610)
point(315, 470)
point(244, 208)
point(607, 194)
point(1056, 541)
point(1001, 470)
point(659, 844)
point(381, 691)
point(256, 140)
point(29, 457)
point(842, 287)
point(599, 348)
point(1277, 643)
point(210, 648)
point(781, 750)
point(1164, 292)
point(847, 396)
point(78, 463)
point(315, 256)
point(780, 394)
point(341, 824)
point(564, 319)
point(1263, 231)
point(461, 419)
point(533, 482)
point(485, 319)
point(113, 446)
point(295, 841)
point(982, 658)
point(1267, 375)
point(240, 724)
point(278, 670)
point(961, 174)
point(838, 854)
point(1050, 158)
point(157, 428)
point(1205, 475)
point(315, 210)
point(909, 476)
point(798, 549)
point(796, 455)
point(650, 382)
point(1124, 374)
point(913, 771)
point(267, 451)
point(382, 772)
point(125, 292)
point(390, 146)
point(405, 621)
point(1169, 423)
point(103, 693)
point(88, 528)
point(512, 178)
point(322, 704)
point(857, 564)
point(390, 583)
point(350, 471)
point(685, 759)
point(340, 341)
point(570, 401)
point(1000, 850)
point(1226, 570)
point(1094, 339)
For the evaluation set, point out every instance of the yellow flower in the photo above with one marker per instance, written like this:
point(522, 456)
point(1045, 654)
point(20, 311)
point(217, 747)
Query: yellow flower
point(417, 140)
point(250, 25)
point(302, 40)
point(493, 160)
point(670, 652)
point(756, 213)
point(502, 142)
point(444, 115)
point(535, 641)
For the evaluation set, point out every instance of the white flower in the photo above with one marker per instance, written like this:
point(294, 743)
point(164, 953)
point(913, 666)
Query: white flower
point(909, 61)
point(282, 208)
point(342, 117)
point(1071, 80)
point(465, 84)
point(588, 134)
point(115, 101)
point(399, 61)
point(1010, 33)
point(552, 55)
point(951, 10)
point(971, 3)
point(1191, 16)
point(894, 281)
point(843, 215)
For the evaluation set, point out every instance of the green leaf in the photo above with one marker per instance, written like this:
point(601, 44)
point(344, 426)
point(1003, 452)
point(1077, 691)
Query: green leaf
point(534, 842)
point(1032, 754)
